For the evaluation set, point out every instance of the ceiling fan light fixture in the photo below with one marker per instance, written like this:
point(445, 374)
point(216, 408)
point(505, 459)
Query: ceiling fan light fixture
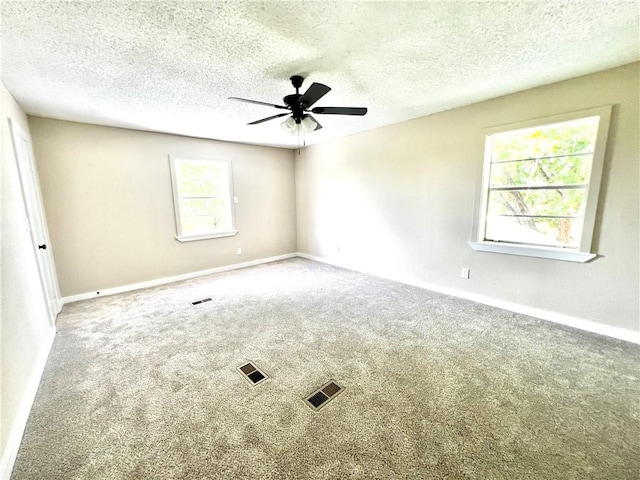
point(308, 125)
point(290, 126)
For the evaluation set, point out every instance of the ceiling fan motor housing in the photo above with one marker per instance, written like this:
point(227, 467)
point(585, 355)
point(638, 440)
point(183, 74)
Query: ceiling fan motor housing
point(293, 102)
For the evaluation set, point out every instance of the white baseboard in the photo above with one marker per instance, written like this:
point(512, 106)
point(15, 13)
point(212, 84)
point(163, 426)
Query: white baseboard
point(20, 421)
point(575, 322)
point(174, 278)
point(571, 321)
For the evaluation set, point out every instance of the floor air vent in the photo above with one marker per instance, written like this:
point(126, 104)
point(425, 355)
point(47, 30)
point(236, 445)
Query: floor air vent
point(198, 302)
point(253, 375)
point(323, 395)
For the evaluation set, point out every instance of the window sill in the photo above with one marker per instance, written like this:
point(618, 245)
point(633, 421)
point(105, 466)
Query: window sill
point(540, 252)
point(191, 238)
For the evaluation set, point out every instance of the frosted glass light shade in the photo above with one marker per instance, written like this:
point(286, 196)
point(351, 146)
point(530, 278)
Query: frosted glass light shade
point(290, 126)
point(306, 125)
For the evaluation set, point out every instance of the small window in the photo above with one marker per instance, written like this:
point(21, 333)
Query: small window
point(540, 186)
point(202, 196)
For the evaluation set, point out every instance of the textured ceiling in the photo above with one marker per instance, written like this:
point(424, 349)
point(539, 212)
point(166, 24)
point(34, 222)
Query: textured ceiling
point(170, 66)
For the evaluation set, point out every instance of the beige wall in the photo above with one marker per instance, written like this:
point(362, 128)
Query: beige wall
point(107, 195)
point(24, 329)
point(399, 201)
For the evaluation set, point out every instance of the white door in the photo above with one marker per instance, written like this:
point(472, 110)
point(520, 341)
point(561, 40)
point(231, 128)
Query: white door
point(36, 222)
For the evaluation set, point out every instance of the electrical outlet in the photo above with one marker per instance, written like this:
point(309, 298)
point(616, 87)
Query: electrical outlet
point(239, 251)
point(465, 273)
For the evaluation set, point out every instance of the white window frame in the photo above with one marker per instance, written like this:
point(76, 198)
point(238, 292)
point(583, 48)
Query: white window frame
point(583, 252)
point(176, 200)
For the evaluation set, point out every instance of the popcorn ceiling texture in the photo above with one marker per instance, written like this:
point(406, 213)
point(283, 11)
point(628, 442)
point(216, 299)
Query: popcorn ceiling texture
point(143, 385)
point(170, 66)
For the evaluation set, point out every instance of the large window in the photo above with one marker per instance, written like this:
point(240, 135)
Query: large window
point(203, 198)
point(540, 186)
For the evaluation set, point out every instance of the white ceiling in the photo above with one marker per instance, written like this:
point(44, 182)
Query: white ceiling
point(170, 66)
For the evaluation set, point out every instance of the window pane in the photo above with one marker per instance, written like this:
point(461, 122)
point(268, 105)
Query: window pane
point(563, 232)
point(572, 170)
point(534, 161)
point(198, 188)
point(202, 206)
point(202, 178)
point(203, 194)
point(203, 225)
point(555, 202)
point(575, 136)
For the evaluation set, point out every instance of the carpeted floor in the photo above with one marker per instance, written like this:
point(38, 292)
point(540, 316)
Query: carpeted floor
point(143, 385)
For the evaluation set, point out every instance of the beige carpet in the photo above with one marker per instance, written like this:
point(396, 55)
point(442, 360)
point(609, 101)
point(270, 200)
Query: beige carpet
point(144, 386)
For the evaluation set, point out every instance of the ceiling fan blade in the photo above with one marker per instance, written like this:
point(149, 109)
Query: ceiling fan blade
point(314, 93)
point(267, 119)
point(318, 126)
point(246, 100)
point(340, 110)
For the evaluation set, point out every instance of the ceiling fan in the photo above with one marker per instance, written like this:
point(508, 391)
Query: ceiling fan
point(299, 107)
